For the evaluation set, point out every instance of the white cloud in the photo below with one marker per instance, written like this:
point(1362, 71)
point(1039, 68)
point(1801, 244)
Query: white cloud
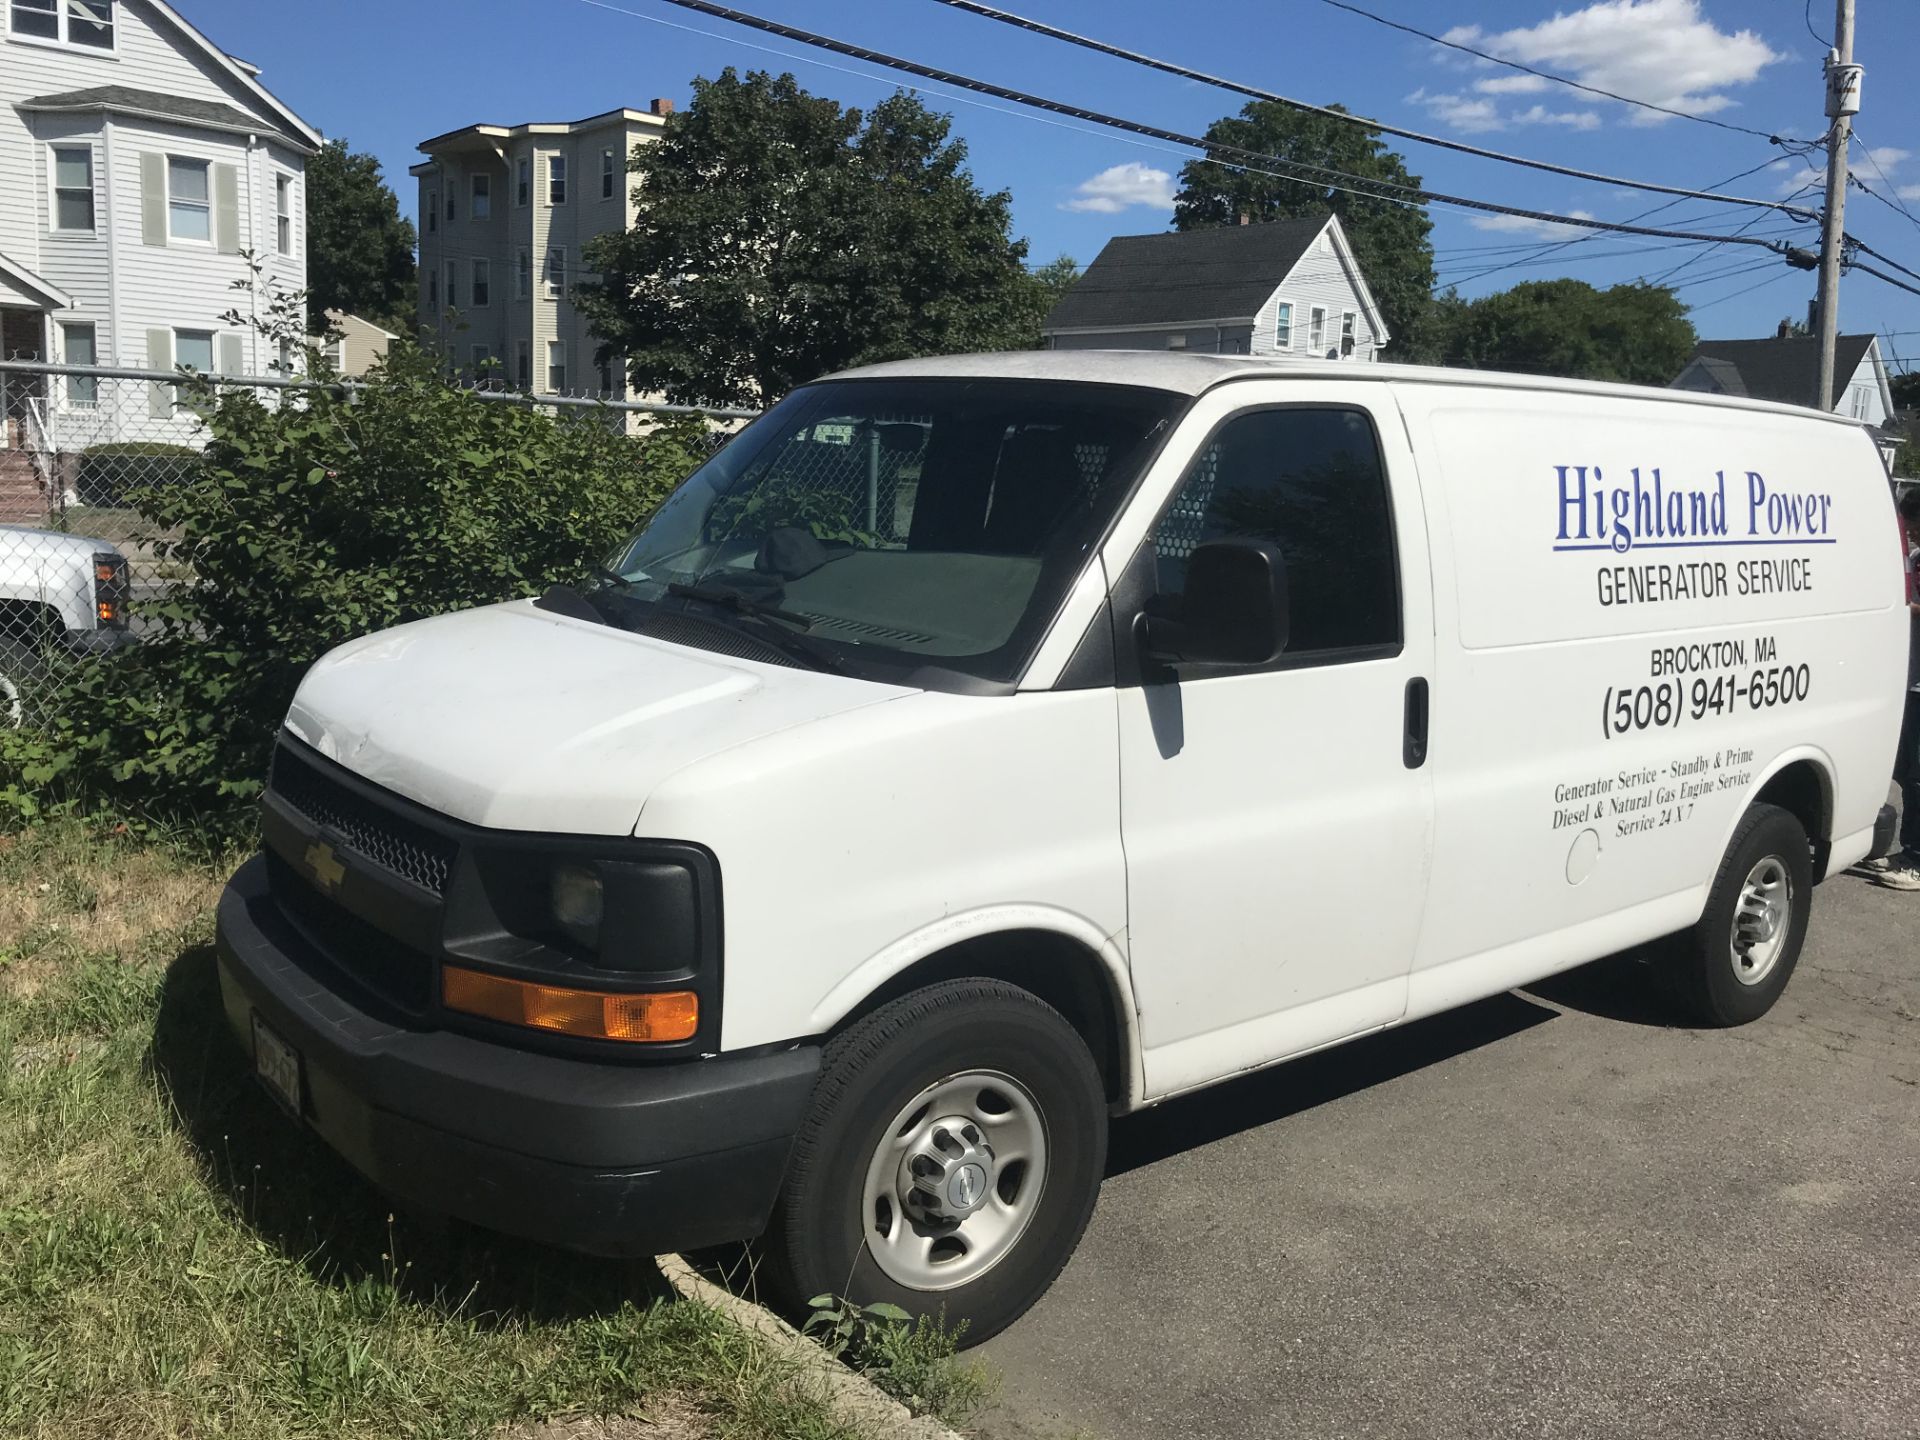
point(1511, 85)
point(1119, 187)
point(1574, 119)
point(1462, 112)
point(1885, 159)
point(1525, 225)
point(1663, 51)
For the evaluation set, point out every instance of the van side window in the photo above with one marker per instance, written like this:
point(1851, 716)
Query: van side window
point(1309, 480)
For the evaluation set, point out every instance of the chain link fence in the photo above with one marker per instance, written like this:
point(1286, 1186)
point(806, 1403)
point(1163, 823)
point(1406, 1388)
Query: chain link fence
point(80, 568)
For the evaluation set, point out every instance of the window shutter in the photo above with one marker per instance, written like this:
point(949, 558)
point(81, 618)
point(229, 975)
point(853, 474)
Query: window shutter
point(232, 356)
point(153, 198)
point(226, 209)
point(160, 357)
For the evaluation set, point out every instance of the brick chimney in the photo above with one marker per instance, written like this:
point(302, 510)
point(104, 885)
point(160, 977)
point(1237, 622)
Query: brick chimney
point(662, 107)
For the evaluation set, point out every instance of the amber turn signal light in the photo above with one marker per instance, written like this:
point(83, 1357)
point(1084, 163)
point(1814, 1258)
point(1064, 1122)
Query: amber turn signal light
point(596, 1014)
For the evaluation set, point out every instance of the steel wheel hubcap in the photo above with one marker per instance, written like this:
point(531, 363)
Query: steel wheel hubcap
point(955, 1180)
point(1761, 921)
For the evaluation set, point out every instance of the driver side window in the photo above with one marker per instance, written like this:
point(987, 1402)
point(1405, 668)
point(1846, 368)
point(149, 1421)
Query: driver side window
point(1309, 480)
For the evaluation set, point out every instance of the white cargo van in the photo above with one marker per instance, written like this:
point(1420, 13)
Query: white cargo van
point(977, 748)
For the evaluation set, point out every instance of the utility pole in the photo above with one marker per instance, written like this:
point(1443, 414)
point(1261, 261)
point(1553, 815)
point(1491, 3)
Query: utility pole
point(1843, 101)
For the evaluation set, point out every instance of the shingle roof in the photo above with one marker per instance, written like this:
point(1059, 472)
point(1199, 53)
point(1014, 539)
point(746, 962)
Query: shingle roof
point(1190, 275)
point(155, 102)
point(1786, 369)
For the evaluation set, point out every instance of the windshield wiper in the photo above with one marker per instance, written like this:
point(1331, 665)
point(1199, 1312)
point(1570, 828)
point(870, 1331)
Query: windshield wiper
point(734, 600)
point(789, 642)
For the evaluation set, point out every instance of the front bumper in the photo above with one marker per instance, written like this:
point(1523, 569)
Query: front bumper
point(607, 1157)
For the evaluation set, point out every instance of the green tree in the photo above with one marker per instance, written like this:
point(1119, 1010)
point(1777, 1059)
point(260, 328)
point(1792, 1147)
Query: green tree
point(359, 246)
point(1055, 278)
point(1792, 329)
point(303, 526)
point(784, 236)
point(1391, 241)
point(1635, 333)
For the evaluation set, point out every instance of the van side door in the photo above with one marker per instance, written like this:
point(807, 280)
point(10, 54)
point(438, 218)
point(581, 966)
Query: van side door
point(1277, 819)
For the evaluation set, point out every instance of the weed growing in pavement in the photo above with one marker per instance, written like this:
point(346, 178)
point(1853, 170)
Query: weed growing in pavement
point(912, 1360)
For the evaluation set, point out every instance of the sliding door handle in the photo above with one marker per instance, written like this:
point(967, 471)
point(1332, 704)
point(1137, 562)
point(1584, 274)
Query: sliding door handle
point(1413, 745)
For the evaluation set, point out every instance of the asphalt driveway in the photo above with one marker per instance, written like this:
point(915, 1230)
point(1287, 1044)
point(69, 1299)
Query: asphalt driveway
point(1546, 1216)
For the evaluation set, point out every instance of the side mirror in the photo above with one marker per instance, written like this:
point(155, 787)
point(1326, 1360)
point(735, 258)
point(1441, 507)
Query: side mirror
point(1234, 610)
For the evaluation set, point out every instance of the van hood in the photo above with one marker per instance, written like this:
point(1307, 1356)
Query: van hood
point(515, 718)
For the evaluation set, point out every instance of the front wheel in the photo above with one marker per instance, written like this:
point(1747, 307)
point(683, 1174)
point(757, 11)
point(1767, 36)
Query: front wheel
point(949, 1163)
point(1742, 953)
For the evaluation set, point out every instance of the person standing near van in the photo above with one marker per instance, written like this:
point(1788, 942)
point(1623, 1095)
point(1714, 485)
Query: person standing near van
point(1902, 871)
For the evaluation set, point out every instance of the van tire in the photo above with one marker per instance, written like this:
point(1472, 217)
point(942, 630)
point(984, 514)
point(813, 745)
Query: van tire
point(824, 1233)
point(1769, 849)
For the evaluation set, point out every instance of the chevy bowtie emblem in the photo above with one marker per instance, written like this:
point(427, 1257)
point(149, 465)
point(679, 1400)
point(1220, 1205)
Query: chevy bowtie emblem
point(327, 871)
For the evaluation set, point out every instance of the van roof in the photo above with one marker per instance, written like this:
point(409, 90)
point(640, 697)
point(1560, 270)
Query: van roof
point(1190, 374)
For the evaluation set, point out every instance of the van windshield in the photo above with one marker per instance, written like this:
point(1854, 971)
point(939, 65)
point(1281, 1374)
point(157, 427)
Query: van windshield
point(899, 526)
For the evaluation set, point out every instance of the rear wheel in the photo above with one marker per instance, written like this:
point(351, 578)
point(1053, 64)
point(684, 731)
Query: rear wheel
point(1742, 952)
point(950, 1161)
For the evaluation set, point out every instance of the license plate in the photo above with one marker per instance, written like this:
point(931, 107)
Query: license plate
point(277, 1064)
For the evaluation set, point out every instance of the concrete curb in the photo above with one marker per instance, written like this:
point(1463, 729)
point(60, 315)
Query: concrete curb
point(853, 1398)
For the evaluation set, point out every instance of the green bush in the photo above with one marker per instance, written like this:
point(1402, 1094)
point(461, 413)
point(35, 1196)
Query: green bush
point(304, 525)
point(113, 473)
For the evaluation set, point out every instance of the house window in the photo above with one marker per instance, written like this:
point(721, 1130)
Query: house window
point(76, 22)
point(433, 289)
point(453, 200)
point(609, 174)
point(39, 18)
point(193, 350)
point(1176, 342)
point(523, 181)
point(557, 366)
point(337, 354)
point(189, 212)
point(1346, 332)
point(482, 197)
point(73, 187)
point(556, 179)
point(1316, 330)
point(523, 276)
point(522, 367)
point(1859, 402)
point(1283, 326)
point(610, 376)
point(285, 363)
point(433, 211)
point(283, 213)
point(482, 283)
point(453, 286)
point(556, 270)
point(76, 345)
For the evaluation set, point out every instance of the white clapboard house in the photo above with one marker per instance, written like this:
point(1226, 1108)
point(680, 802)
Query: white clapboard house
point(137, 161)
point(1286, 287)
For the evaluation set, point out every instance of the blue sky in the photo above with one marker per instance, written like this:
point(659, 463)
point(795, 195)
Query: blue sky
point(387, 73)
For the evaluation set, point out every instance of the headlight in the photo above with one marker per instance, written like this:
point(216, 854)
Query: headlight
point(578, 901)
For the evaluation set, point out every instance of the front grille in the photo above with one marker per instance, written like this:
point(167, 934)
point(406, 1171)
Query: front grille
point(372, 959)
point(390, 841)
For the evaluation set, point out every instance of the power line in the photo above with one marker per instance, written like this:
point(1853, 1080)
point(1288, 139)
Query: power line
point(1580, 240)
point(1735, 295)
point(1087, 42)
point(1882, 275)
point(1558, 79)
point(1299, 171)
point(1806, 14)
point(1892, 200)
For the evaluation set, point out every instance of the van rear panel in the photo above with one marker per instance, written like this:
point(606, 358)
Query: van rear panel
point(1645, 609)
